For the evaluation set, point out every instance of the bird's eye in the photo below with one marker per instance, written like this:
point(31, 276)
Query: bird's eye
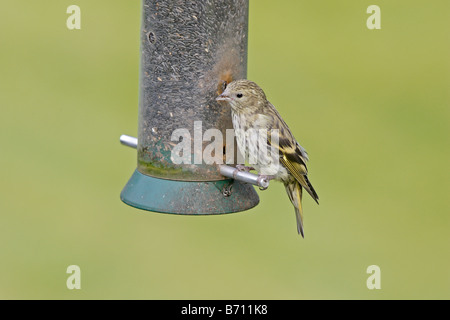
point(239, 95)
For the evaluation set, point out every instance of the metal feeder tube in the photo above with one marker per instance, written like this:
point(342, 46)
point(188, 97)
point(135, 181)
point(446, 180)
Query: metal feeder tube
point(189, 49)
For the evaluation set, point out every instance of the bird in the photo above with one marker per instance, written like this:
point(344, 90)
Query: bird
point(251, 112)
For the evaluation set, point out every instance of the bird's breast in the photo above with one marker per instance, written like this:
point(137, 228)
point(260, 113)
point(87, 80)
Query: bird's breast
point(251, 138)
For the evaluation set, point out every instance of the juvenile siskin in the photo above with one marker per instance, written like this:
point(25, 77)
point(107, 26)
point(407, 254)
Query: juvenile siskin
point(252, 112)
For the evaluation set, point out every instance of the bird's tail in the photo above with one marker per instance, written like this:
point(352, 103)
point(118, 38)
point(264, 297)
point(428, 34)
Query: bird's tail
point(294, 191)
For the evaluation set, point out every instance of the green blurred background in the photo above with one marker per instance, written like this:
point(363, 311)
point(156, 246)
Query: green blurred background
point(370, 106)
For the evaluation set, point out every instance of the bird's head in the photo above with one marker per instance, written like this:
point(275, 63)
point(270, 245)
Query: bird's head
point(243, 95)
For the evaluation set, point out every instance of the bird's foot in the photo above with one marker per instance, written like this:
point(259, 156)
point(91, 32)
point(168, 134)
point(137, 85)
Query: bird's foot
point(242, 167)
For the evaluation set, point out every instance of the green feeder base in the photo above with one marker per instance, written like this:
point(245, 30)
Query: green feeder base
point(188, 197)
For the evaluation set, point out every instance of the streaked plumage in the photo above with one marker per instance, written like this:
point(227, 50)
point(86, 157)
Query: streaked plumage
point(251, 110)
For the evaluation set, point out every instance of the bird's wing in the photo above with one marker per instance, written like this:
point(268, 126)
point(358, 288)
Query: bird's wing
point(292, 155)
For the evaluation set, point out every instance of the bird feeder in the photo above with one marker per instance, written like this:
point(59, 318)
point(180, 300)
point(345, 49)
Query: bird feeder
point(189, 51)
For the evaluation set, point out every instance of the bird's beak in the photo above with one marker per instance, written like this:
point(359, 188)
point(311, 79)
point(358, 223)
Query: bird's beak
point(223, 97)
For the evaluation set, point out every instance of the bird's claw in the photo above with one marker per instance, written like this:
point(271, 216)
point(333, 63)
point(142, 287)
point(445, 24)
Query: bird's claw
point(242, 167)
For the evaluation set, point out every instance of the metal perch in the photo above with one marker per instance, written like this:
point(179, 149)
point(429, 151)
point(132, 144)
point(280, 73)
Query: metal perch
point(227, 171)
